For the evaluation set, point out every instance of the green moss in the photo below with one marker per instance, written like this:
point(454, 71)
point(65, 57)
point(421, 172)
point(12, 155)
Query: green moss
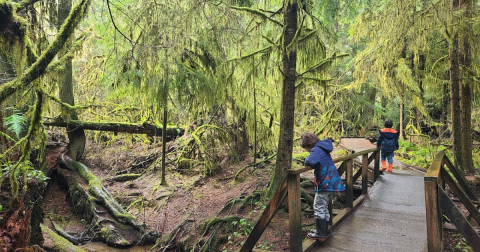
point(60, 244)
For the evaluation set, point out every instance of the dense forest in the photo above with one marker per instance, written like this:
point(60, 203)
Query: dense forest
point(99, 96)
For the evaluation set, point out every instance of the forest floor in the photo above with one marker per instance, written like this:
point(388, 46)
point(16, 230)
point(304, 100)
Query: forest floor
point(188, 199)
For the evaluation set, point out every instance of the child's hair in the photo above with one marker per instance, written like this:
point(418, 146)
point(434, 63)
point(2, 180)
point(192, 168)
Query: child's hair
point(308, 140)
point(388, 123)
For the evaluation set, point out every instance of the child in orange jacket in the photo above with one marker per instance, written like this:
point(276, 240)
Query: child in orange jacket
point(388, 144)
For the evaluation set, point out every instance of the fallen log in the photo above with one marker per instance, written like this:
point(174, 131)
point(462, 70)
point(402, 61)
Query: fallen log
point(144, 128)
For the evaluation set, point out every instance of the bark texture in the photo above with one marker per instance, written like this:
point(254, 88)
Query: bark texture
point(76, 136)
point(285, 143)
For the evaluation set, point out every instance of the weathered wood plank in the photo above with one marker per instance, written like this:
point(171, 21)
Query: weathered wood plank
point(433, 172)
point(354, 155)
point(309, 244)
point(433, 217)
point(364, 173)
point(349, 185)
point(461, 195)
point(463, 226)
point(294, 213)
point(376, 166)
point(265, 218)
point(460, 180)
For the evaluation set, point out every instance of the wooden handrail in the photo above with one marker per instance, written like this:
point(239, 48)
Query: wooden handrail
point(291, 187)
point(437, 203)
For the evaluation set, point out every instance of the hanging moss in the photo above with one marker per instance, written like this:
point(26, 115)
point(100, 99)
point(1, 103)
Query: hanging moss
point(12, 35)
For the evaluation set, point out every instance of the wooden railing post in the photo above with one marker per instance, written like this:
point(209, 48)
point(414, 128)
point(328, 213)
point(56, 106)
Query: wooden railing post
point(432, 206)
point(365, 173)
point(376, 165)
point(349, 185)
point(294, 212)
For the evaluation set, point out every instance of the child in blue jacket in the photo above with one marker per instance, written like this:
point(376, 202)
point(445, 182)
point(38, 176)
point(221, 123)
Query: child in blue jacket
point(327, 180)
point(388, 144)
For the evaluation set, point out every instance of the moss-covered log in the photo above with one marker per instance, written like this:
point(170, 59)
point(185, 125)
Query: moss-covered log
point(58, 243)
point(126, 177)
point(148, 129)
point(110, 222)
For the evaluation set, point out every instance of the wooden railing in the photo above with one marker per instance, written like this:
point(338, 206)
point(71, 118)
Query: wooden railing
point(291, 188)
point(437, 203)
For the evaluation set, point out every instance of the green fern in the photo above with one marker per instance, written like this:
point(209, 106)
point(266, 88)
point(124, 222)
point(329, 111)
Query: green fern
point(15, 123)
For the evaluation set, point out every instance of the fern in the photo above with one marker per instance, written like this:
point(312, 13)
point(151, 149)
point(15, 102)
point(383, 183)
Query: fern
point(15, 123)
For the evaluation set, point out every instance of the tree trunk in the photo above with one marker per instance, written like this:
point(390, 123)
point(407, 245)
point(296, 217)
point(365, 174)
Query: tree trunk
point(76, 136)
point(148, 129)
point(402, 118)
point(39, 67)
point(465, 90)
point(285, 142)
point(164, 130)
point(443, 117)
point(455, 102)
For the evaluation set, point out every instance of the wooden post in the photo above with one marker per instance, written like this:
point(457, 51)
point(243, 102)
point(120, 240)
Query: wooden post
point(376, 166)
point(365, 173)
point(432, 206)
point(294, 212)
point(434, 218)
point(349, 186)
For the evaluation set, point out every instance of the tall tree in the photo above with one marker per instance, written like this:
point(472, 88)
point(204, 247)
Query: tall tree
point(465, 61)
point(76, 136)
point(289, 67)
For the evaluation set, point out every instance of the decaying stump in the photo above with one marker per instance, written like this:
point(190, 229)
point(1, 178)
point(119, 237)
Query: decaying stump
point(15, 228)
point(111, 223)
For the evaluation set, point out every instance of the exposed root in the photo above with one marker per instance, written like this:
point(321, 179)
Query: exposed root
point(250, 200)
point(250, 165)
point(100, 194)
point(74, 240)
point(60, 243)
point(110, 222)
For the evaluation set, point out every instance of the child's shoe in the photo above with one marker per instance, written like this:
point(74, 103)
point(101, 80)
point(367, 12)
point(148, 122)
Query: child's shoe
point(390, 167)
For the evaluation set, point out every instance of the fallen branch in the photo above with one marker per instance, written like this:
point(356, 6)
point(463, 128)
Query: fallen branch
point(126, 177)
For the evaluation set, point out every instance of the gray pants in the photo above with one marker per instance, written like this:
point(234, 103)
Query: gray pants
point(320, 205)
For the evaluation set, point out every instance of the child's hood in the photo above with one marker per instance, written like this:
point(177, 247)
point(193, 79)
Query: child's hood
point(326, 145)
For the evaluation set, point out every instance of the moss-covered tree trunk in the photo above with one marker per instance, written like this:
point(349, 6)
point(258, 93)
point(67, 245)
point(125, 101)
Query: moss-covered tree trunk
point(110, 222)
point(465, 87)
point(289, 59)
point(455, 102)
point(76, 136)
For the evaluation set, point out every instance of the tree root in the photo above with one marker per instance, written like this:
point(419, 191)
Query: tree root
point(251, 199)
point(60, 244)
point(74, 240)
point(111, 223)
point(250, 165)
point(100, 194)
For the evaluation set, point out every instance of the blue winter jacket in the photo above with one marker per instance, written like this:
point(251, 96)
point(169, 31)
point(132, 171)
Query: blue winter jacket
point(327, 178)
point(388, 133)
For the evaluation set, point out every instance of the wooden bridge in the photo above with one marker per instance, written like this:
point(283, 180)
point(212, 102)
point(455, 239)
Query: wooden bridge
point(391, 215)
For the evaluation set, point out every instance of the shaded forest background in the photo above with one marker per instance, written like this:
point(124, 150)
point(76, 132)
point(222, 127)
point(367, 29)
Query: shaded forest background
point(222, 83)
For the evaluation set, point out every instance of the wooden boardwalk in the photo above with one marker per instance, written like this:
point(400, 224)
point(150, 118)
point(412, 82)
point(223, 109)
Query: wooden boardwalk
point(391, 218)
